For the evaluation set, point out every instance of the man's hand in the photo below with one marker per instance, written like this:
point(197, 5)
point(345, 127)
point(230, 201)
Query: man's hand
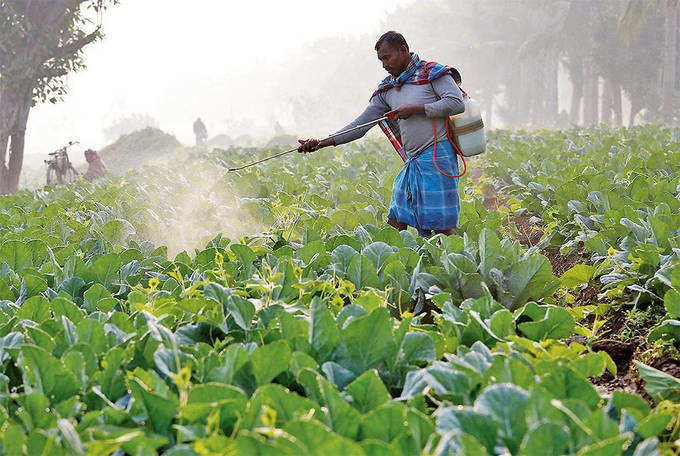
point(406, 111)
point(311, 145)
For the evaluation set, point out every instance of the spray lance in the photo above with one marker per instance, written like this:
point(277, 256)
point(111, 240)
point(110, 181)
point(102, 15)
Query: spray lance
point(335, 135)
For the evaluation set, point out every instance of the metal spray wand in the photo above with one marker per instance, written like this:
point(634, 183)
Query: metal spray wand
point(358, 127)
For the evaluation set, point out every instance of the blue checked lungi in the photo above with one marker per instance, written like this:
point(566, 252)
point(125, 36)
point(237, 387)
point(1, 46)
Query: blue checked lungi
point(424, 198)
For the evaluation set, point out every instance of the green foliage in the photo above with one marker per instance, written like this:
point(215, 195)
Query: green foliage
point(41, 43)
point(296, 341)
point(622, 212)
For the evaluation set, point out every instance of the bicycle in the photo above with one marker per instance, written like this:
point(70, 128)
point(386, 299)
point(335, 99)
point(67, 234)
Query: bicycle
point(60, 171)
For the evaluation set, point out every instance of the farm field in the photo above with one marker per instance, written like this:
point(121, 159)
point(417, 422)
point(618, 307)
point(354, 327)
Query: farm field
point(186, 311)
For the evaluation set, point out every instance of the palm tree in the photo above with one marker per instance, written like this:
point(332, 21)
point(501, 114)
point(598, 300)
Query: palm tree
point(629, 24)
point(670, 58)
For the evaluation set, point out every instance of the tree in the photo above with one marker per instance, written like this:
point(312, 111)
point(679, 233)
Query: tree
point(466, 35)
point(633, 19)
point(510, 55)
point(670, 58)
point(577, 40)
point(41, 41)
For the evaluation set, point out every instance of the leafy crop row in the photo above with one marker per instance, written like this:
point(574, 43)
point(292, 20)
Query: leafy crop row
point(302, 340)
point(613, 193)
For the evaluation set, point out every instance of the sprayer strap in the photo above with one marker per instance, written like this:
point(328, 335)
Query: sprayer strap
point(469, 128)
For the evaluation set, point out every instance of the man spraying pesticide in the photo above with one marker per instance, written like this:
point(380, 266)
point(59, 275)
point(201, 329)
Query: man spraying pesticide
point(413, 105)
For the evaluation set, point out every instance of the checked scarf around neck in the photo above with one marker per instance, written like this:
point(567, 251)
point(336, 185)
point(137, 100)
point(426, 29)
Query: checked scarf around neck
point(418, 72)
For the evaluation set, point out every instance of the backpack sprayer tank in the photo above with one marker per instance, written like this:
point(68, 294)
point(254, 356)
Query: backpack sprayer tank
point(467, 129)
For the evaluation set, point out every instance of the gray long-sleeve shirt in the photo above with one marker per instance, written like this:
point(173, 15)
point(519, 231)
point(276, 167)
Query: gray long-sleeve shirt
point(416, 131)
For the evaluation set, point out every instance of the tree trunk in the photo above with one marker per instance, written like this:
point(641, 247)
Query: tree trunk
point(617, 105)
point(4, 141)
point(8, 115)
point(537, 90)
point(16, 157)
point(669, 59)
point(576, 76)
point(15, 106)
point(635, 108)
point(607, 103)
point(551, 87)
point(523, 101)
point(592, 97)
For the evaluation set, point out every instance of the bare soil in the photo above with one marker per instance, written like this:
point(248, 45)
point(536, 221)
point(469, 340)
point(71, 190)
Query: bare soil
point(475, 173)
point(587, 296)
point(529, 234)
point(628, 378)
point(562, 263)
point(491, 198)
point(622, 353)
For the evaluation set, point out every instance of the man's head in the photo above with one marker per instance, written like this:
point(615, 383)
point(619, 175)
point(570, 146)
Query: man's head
point(393, 52)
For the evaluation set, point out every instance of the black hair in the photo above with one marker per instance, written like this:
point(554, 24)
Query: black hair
point(392, 38)
point(456, 76)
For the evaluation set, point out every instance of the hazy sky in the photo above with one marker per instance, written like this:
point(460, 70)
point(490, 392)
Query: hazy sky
point(157, 51)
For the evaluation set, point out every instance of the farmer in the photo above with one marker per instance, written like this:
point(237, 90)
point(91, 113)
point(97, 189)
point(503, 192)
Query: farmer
point(200, 131)
point(417, 97)
point(95, 165)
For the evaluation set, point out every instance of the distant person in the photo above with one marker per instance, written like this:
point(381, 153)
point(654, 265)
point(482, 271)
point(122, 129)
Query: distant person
point(201, 132)
point(417, 97)
point(95, 166)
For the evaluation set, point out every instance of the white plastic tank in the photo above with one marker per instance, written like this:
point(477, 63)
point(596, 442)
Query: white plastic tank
point(468, 129)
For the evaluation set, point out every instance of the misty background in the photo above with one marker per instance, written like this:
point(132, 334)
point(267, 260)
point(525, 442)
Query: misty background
point(311, 67)
point(223, 61)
